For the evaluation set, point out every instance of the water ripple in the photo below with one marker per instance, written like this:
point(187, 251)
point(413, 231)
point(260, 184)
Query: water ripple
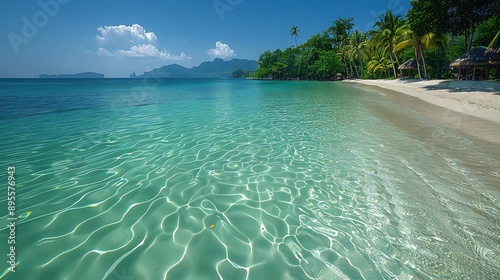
point(178, 190)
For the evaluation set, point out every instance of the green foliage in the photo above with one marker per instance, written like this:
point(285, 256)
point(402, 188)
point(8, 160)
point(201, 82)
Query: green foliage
point(378, 67)
point(241, 73)
point(426, 35)
point(495, 43)
point(487, 30)
point(458, 17)
point(315, 59)
point(385, 36)
point(456, 46)
point(261, 73)
point(464, 14)
point(429, 16)
point(340, 30)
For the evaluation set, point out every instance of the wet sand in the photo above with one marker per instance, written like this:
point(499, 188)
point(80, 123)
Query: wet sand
point(461, 106)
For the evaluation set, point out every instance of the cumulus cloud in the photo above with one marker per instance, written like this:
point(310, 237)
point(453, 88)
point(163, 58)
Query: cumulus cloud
point(131, 41)
point(221, 51)
point(122, 35)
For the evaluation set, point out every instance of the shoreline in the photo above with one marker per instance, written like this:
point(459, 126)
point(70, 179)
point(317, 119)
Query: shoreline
point(475, 98)
point(470, 106)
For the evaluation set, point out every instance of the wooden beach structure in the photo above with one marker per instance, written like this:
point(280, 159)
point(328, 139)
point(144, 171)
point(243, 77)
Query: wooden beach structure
point(408, 65)
point(481, 57)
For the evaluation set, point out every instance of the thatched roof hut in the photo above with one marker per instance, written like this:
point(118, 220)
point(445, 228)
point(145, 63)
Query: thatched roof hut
point(480, 56)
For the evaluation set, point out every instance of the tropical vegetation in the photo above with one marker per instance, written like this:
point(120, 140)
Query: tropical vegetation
point(432, 33)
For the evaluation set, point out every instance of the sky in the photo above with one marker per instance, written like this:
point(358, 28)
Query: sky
point(118, 37)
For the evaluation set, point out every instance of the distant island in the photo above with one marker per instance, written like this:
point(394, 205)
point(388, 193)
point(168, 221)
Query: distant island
point(84, 75)
point(218, 68)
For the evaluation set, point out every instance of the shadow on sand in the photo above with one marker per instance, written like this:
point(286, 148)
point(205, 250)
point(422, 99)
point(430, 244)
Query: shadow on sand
point(466, 86)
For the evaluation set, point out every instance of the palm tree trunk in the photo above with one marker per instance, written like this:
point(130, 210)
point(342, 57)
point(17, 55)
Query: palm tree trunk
point(466, 41)
point(345, 65)
point(356, 69)
point(392, 62)
point(418, 64)
point(440, 62)
point(362, 70)
point(361, 64)
point(423, 61)
point(397, 62)
point(471, 36)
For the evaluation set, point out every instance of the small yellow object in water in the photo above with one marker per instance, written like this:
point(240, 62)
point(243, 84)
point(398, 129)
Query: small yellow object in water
point(212, 226)
point(24, 216)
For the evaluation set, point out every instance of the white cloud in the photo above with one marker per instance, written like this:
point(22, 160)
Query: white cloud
point(149, 51)
point(221, 51)
point(131, 41)
point(124, 35)
point(104, 52)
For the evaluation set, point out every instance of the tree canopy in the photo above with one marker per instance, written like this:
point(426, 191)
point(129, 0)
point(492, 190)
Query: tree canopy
point(432, 32)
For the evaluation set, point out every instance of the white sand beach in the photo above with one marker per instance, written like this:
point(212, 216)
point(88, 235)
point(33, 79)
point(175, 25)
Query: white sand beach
point(471, 106)
point(476, 98)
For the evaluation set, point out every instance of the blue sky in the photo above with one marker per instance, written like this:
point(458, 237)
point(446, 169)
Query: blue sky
point(118, 37)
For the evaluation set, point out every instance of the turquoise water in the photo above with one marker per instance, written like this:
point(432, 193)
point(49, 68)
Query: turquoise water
point(232, 179)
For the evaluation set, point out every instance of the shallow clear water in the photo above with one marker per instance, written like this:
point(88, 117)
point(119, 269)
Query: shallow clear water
point(231, 179)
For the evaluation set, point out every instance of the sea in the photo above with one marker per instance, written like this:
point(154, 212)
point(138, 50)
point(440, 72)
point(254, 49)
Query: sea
point(239, 179)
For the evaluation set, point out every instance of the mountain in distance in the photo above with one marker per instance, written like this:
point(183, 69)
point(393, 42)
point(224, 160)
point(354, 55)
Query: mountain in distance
point(218, 68)
point(84, 75)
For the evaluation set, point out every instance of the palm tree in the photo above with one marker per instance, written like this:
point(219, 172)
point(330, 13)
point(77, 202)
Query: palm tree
point(408, 38)
point(343, 55)
point(358, 50)
point(431, 41)
point(385, 34)
point(294, 32)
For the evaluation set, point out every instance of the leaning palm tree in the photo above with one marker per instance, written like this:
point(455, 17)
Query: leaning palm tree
point(294, 32)
point(385, 34)
point(408, 39)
